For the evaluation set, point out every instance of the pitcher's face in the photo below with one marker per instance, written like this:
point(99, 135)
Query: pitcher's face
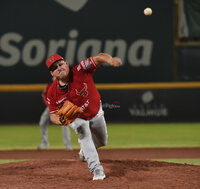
point(60, 69)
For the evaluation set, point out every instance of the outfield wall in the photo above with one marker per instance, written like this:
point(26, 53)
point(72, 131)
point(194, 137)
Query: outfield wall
point(33, 30)
point(153, 102)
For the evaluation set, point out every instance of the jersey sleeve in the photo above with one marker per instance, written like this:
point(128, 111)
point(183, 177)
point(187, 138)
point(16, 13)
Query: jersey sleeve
point(87, 65)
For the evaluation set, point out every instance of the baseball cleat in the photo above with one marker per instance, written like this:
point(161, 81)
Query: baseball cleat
point(81, 156)
point(68, 148)
point(99, 174)
point(43, 145)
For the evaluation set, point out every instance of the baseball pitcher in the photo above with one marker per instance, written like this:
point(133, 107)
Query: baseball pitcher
point(74, 100)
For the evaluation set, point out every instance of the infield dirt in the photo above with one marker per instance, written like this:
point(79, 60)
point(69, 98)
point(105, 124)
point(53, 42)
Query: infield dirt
point(124, 168)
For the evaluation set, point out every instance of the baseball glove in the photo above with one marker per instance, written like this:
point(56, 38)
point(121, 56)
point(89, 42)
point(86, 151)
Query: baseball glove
point(68, 113)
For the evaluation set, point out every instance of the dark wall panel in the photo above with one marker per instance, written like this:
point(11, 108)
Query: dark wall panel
point(32, 30)
point(166, 105)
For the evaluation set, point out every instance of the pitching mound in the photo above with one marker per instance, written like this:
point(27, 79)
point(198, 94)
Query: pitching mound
point(64, 170)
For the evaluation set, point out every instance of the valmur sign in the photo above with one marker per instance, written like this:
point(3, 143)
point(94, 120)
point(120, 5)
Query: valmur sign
point(78, 29)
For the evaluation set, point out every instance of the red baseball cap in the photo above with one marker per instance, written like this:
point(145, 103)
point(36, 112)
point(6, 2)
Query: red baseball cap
point(52, 59)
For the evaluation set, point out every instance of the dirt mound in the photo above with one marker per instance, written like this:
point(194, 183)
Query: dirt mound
point(68, 172)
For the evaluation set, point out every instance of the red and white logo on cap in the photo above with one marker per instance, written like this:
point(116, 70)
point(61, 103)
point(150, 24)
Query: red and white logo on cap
point(53, 58)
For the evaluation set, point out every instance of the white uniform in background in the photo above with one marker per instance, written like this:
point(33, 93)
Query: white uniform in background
point(45, 121)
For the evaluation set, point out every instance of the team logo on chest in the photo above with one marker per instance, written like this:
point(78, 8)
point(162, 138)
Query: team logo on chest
point(83, 92)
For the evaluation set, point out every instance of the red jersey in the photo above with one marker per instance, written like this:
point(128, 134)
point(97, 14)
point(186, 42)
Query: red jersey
point(44, 93)
point(81, 90)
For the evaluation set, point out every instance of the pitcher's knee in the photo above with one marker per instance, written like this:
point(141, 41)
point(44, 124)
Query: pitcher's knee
point(102, 143)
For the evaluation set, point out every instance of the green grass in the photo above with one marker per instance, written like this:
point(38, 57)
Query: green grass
point(182, 161)
point(28, 137)
point(154, 135)
point(3, 161)
point(119, 136)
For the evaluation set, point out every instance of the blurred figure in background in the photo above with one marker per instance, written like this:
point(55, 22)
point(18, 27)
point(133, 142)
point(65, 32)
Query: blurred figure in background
point(45, 121)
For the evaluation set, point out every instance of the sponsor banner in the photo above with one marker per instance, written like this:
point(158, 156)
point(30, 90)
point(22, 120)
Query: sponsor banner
point(165, 105)
point(159, 105)
point(33, 30)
